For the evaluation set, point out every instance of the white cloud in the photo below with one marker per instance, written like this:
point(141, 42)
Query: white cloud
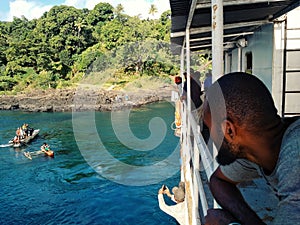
point(26, 8)
point(134, 8)
point(162, 6)
point(76, 3)
point(90, 4)
point(33, 9)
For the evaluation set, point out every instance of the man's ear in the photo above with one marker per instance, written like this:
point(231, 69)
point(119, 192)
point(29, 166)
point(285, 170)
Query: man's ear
point(229, 130)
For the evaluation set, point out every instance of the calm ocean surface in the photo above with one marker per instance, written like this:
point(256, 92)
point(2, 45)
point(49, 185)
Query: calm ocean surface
point(80, 187)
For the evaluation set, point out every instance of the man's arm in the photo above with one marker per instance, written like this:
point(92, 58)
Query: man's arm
point(230, 198)
point(161, 202)
point(164, 207)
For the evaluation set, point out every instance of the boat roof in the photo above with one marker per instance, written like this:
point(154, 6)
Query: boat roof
point(241, 17)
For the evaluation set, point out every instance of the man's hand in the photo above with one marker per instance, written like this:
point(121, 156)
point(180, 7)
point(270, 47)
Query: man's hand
point(161, 190)
point(230, 199)
point(167, 192)
point(218, 217)
point(164, 190)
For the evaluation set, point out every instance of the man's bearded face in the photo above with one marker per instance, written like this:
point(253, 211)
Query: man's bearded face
point(225, 155)
point(228, 153)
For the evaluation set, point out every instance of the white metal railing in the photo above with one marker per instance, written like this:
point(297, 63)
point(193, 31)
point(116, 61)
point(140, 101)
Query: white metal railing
point(193, 152)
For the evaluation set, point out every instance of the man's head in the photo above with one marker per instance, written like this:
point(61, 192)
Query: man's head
point(236, 104)
point(179, 192)
point(191, 73)
point(182, 185)
point(208, 74)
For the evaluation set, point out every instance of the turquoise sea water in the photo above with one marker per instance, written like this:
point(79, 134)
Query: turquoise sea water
point(107, 167)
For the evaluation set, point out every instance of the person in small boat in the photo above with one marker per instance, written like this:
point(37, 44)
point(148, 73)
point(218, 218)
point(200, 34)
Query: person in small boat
point(30, 131)
point(18, 133)
point(25, 129)
point(16, 140)
point(253, 142)
point(45, 147)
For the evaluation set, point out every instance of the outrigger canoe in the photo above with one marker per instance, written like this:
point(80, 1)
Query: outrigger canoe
point(24, 140)
point(29, 155)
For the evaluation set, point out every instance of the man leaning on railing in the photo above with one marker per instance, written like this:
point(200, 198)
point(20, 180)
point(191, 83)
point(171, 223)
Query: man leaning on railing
point(253, 142)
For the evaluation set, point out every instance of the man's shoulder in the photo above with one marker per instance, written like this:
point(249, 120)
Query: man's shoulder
point(293, 126)
point(291, 137)
point(290, 145)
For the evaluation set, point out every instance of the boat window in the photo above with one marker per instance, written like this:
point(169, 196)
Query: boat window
point(249, 65)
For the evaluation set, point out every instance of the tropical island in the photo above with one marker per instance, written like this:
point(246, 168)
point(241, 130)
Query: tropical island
point(114, 57)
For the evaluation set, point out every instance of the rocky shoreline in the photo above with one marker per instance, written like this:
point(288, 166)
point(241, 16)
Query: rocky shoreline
point(82, 100)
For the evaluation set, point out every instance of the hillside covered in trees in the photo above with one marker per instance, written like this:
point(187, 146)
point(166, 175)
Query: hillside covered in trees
point(67, 45)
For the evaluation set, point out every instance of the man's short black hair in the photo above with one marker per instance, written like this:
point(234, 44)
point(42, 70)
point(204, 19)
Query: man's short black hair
point(247, 100)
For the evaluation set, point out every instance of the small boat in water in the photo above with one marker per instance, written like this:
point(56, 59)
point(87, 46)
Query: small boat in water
point(48, 153)
point(25, 140)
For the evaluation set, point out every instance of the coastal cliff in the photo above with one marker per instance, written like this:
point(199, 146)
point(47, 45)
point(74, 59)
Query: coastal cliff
point(52, 100)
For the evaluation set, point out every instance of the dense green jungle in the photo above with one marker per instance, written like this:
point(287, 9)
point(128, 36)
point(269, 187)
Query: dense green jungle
point(67, 46)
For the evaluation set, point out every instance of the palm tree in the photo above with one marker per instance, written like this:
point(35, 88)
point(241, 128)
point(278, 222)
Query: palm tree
point(152, 10)
point(79, 24)
point(119, 9)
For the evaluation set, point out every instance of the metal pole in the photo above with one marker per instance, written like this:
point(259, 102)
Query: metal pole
point(217, 38)
point(182, 61)
point(226, 62)
point(284, 70)
point(188, 155)
point(182, 67)
point(183, 115)
point(239, 64)
point(188, 67)
point(217, 46)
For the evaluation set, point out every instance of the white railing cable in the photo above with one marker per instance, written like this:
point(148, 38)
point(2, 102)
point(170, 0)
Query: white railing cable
point(206, 156)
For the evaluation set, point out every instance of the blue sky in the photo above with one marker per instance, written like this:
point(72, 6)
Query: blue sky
point(35, 8)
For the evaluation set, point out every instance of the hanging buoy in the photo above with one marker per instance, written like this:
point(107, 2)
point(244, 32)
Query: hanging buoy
point(177, 119)
point(176, 125)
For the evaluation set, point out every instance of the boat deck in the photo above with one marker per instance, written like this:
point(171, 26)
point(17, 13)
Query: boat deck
point(261, 198)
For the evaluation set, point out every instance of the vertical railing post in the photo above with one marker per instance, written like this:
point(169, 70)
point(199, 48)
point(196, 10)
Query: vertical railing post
point(217, 41)
point(217, 38)
point(217, 46)
point(183, 114)
point(239, 58)
point(284, 69)
point(188, 69)
point(189, 106)
point(196, 169)
point(182, 66)
point(226, 63)
point(184, 138)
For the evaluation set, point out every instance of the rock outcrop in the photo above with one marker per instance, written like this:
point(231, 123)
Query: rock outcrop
point(81, 100)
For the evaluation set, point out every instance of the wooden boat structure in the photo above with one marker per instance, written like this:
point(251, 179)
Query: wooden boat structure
point(25, 140)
